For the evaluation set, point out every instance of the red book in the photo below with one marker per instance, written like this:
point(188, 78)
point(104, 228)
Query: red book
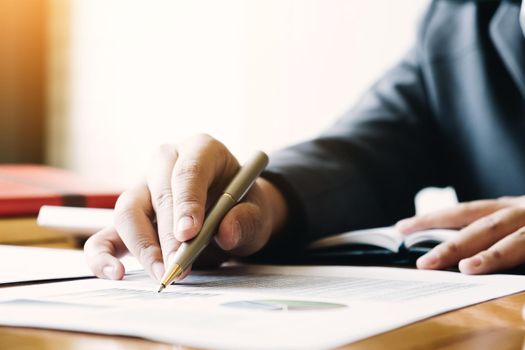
point(25, 188)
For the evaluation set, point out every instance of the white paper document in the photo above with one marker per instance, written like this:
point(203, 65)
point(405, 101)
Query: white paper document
point(24, 264)
point(82, 222)
point(255, 307)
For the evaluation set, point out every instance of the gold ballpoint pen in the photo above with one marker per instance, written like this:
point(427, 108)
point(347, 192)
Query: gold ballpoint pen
point(190, 250)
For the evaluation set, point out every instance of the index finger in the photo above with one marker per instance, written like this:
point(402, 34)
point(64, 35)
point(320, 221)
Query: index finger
point(453, 218)
point(133, 221)
point(201, 163)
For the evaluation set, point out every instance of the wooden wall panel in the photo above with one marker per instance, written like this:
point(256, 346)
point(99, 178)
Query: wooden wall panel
point(22, 80)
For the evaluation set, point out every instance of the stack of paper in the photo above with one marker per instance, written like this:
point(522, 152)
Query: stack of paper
point(24, 264)
point(255, 307)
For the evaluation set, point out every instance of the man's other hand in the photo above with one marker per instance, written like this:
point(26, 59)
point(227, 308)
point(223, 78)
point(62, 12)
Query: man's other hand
point(491, 236)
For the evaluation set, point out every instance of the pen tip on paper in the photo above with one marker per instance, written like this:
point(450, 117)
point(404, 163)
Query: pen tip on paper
point(162, 286)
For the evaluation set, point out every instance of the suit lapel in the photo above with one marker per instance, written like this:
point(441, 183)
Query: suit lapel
point(508, 39)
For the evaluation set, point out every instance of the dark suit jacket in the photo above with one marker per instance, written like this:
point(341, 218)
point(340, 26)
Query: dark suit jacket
point(451, 113)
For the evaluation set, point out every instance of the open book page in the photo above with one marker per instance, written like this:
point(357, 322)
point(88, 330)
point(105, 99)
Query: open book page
point(24, 264)
point(256, 307)
point(434, 235)
point(384, 237)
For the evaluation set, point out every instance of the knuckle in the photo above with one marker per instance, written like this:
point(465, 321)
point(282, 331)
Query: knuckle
point(188, 169)
point(217, 146)
point(210, 144)
point(450, 249)
point(186, 201)
point(163, 200)
point(493, 254)
point(491, 223)
point(200, 140)
point(124, 214)
point(166, 151)
point(190, 209)
point(202, 137)
point(147, 250)
point(167, 238)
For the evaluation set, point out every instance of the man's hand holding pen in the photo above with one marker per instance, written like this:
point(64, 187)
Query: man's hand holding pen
point(156, 216)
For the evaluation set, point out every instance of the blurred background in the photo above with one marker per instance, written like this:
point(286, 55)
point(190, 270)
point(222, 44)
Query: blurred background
point(95, 85)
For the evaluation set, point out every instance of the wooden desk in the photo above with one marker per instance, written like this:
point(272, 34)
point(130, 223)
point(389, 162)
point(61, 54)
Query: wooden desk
point(496, 324)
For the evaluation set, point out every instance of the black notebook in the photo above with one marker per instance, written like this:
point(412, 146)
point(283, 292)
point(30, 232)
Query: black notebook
point(377, 246)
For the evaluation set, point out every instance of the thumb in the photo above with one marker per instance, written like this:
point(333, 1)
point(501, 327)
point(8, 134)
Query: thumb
point(102, 251)
point(245, 229)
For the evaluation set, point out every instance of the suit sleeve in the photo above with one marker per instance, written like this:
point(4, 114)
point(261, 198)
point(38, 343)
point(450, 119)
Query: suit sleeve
point(365, 170)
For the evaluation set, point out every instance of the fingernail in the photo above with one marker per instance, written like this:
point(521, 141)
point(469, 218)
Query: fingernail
point(109, 272)
point(236, 234)
point(184, 223)
point(158, 270)
point(427, 260)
